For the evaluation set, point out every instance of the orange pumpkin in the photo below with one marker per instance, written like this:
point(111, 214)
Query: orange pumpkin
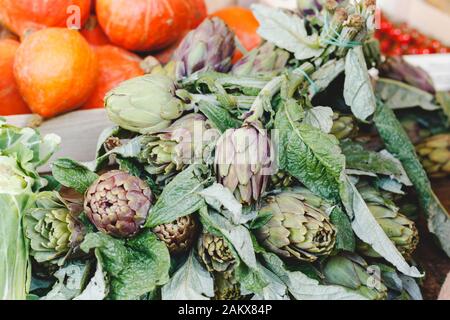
point(24, 16)
point(165, 56)
point(56, 71)
point(10, 100)
point(145, 25)
point(244, 24)
point(199, 12)
point(115, 66)
point(93, 33)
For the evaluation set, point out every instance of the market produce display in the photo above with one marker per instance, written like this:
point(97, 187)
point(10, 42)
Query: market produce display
point(280, 176)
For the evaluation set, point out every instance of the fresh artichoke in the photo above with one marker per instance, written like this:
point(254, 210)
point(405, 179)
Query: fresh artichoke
point(435, 155)
point(400, 230)
point(353, 273)
point(299, 228)
point(281, 180)
point(216, 254)
point(179, 145)
point(267, 60)
point(344, 126)
point(144, 104)
point(397, 68)
point(209, 47)
point(243, 162)
point(226, 287)
point(118, 204)
point(179, 236)
point(53, 228)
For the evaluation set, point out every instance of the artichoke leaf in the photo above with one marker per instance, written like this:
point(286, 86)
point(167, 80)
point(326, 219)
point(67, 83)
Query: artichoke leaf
point(287, 31)
point(301, 287)
point(358, 91)
point(191, 282)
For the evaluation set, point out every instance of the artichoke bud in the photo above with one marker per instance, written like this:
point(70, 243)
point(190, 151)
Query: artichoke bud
point(281, 180)
point(354, 274)
point(435, 155)
point(399, 69)
point(216, 254)
point(183, 143)
point(344, 126)
point(179, 236)
point(53, 229)
point(400, 230)
point(208, 48)
point(266, 60)
point(299, 229)
point(144, 104)
point(118, 204)
point(226, 287)
point(243, 162)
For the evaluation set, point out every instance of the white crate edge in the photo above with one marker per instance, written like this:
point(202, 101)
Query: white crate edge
point(79, 131)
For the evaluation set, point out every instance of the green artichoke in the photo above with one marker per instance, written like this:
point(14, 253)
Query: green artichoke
point(299, 228)
point(400, 230)
point(216, 254)
point(53, 228)
point(179, 145)
point(344, 126)
point(118, 204)
point(267, 60)
point(180, 235)
point(435, 155)
point(281, 180)
point(210, 47)
point(353, 273)
point(243, 162)
point(144, 104)
point(226, 287)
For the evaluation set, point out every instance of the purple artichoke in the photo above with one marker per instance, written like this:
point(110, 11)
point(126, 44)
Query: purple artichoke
point(265, 60)
point(397, 68)
point(243, 162)
point(118, 204)
point(210, 47)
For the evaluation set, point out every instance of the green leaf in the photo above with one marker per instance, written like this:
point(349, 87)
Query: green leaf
point(399, 95)
point(275, 290)
point(261, 220)
point(220, 117)
point(398, 143)
point(302, 287)
point(358, 92)
point(369, 231)
point(358, 158)
point(15, 269)
point(190, 282)
point(325, 75)
point(71, 280)
point(136, 169)
point(307, 153)
point(72, 174)
point(135, 267)
point(180, 197)
point(345, 238)
point(97, 288)
point(287, 31)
